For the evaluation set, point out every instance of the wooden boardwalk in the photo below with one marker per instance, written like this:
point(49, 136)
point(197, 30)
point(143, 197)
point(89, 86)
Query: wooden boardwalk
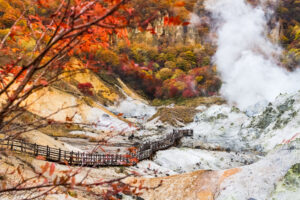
point(136, 153)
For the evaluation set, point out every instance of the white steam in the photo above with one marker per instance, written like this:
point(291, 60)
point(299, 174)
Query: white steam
point(195, 20)
point(245, 56)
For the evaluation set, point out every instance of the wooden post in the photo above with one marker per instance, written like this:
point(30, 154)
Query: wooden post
point(119, 159)
point(36, 149)
point(83, 159)
point(96, 159)
point(48, 152)
point(71, 157)
point(91, 159)
point(22, 146)
point(87, 159)
point(77, 157)
point(100, 159)
point(59, 154)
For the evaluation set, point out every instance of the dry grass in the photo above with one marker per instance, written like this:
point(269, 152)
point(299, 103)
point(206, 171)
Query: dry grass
point(68, 88)
point(58, 130)
point(192, 102)
point(174, 115)
point(207, 101)
point(54, 130)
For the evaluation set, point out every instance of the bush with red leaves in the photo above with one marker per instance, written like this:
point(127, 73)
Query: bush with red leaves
point(85, 88)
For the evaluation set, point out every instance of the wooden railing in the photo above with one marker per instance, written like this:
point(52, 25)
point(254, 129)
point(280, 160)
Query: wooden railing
point(147, 149)
point(141, 151)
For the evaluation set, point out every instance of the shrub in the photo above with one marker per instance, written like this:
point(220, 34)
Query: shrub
point(183, 48)
point(27, 44)
point(164, 74)
point(107, 56)
point(173, 91)
point(17, 3)
point(180, 85)
point(170, 53)
point(85, 88)
point(205, 61)
point(31, 11)
point(3, 32)
point(188, 93)
point(199, 79)
point(143, 53)
point(8, 19)
point(170, 64)
point(122, 48)
point(152, 53)
point(22, 23)
point(183, 64)
point(155, 66)
point(3, 5)
point(162, 58)
point(136, 53)
point(178, 73)
point(209, 50)
point(189, 56)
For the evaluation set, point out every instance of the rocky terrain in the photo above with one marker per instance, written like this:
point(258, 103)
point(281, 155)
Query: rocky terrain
point(261, 144)
point(246, 141)
point(234, 154)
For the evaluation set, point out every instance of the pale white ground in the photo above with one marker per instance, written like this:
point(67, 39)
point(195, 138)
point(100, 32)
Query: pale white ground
point(135, 108)
point(186, 160)
point(258, 129)
point(148, 168)
point(262, 129)
point(258, 180)
point(105, 122)
point(227, 127)
point(43, 139)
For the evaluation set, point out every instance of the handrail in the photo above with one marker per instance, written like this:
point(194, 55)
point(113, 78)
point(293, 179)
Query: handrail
point(142, 151)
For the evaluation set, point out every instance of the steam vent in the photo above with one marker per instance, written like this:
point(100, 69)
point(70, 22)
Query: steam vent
point(150, 100)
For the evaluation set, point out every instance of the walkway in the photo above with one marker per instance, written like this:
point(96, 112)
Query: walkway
point(137, 152)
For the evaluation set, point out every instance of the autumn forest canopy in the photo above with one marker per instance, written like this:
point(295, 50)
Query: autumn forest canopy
point(162, 49)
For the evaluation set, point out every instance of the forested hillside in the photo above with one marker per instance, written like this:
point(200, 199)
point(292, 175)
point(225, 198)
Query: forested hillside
point(150, 99)
point(289, 18)
point(168, 55)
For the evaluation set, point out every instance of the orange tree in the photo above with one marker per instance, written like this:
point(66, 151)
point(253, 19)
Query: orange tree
point(37, 37)
point(36, 43)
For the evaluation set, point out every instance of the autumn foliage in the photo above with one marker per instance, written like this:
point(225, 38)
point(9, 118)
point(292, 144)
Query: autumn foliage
point(85, 88)
point(39, 38)
point(172, 72)
point(289, 15)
